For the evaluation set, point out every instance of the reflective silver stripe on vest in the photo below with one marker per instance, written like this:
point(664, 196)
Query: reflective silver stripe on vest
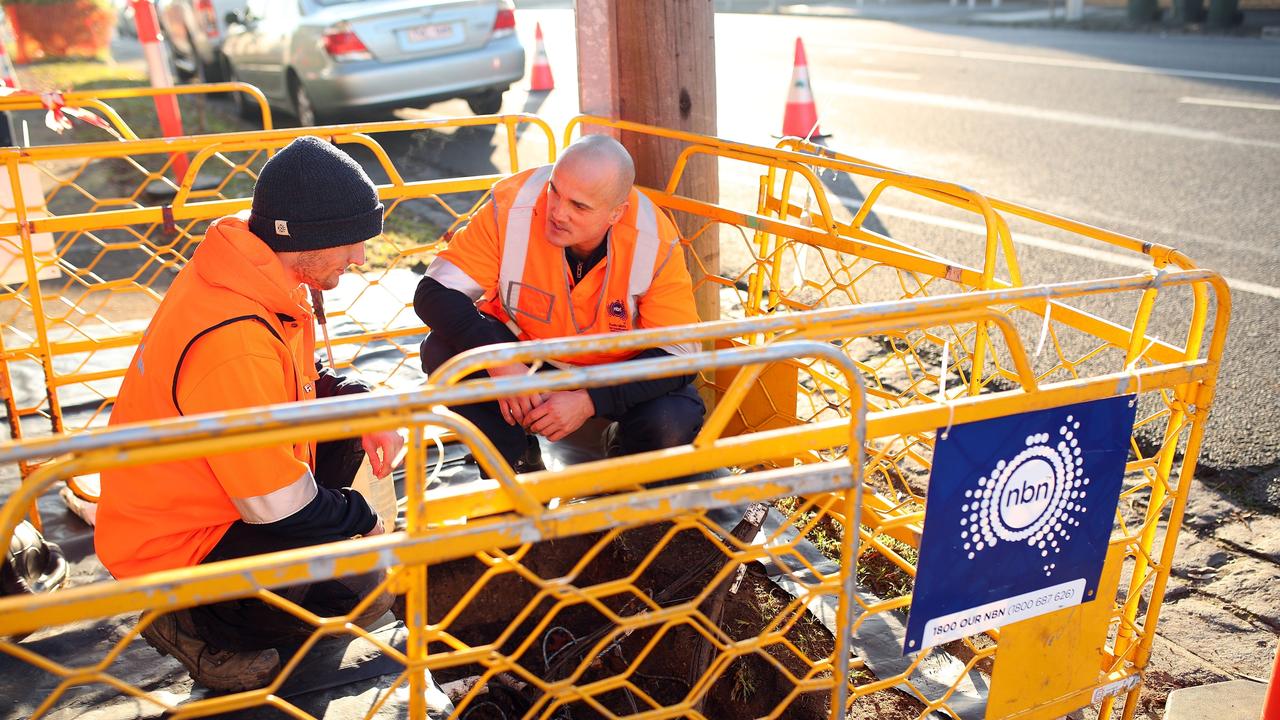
point(452, 277)
point(278, 504)
point(645, 259)
point(515, 241)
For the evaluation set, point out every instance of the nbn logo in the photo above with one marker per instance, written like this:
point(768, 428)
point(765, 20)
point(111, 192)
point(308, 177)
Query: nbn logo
point(1028, 494)
point(1033, 498)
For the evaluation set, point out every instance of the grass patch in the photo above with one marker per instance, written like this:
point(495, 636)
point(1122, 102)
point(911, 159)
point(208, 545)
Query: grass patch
point(878, 568)
point(820, 529)
point(884, 577)
point(744, 683)
point(49, 75)
point(403, 232)
point(199, 114)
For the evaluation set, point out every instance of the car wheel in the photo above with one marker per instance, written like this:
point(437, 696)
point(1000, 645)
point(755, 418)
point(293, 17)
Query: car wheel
point(303, 109)
point(245, 106)
point(486, 103)
point(179, 75)
point(212, 72)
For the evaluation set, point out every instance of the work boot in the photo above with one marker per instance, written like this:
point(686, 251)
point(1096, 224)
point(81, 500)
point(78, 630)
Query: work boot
point(174, 634)
point(531, 461)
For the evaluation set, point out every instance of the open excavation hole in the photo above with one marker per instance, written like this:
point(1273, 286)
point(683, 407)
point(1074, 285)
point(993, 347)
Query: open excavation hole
point(560, 635)
point(567, 656)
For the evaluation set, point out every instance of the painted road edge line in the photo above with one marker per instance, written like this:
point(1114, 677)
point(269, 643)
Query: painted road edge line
point(1216, 102)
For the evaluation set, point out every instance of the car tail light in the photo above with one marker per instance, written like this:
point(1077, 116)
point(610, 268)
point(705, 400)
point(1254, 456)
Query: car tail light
point(343, 45)
point(505, 23)
point(208, 16)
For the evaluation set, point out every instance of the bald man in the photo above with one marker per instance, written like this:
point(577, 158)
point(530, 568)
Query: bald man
point(565, 250)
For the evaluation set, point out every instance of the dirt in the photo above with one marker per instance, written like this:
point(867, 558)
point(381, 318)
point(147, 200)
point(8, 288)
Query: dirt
point(555, 638)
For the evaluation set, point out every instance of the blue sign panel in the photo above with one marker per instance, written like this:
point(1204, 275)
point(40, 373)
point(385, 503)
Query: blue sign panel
point(1018, 517)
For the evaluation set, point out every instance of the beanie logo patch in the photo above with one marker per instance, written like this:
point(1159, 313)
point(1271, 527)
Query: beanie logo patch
point(282, 228)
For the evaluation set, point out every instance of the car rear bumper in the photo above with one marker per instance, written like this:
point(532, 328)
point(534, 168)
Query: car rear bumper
point(371, 84)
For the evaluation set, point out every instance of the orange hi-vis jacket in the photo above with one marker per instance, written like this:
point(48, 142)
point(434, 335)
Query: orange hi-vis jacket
point(503, 261)
point(232, 332)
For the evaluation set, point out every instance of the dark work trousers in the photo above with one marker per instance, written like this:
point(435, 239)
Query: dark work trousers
point(249, 623)
point(663, 422)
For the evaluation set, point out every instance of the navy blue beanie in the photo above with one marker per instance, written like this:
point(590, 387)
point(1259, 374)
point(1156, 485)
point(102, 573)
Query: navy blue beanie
point(312, 196)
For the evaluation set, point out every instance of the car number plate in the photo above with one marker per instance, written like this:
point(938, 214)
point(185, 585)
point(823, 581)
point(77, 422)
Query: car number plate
point(429, 33)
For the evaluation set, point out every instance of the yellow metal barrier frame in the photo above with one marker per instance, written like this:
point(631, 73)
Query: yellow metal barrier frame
point(97, 100)
point(423, 541)
point(795, 157)
point(186, 208)
point(485, 510)
point(1185, 376)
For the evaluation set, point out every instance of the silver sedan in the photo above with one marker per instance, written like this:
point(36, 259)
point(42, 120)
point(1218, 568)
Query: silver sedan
point(322, 59)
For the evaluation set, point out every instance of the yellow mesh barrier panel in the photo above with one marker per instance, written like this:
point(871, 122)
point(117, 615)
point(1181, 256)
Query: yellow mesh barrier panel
point(588, 591)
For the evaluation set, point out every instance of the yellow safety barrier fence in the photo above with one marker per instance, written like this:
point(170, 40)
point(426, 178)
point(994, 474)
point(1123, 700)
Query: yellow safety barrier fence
point(105, 252)
point(249, 101)
point(842, 327)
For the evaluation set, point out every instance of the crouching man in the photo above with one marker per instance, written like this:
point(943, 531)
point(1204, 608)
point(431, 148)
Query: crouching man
point(559, 251)
point(235, 330)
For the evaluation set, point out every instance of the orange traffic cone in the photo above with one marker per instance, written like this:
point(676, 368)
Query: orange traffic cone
point(801, 119)
point(541, 79)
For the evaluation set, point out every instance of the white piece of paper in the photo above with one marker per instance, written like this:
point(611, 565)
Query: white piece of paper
point(380, 493)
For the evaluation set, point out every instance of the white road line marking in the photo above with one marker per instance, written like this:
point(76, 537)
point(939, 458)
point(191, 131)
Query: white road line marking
point(1228, 103)
point(887, 74)
point(956, 102)
point(1056, 62)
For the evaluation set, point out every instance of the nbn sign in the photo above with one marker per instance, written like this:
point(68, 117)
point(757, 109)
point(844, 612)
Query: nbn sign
point(1018, 517)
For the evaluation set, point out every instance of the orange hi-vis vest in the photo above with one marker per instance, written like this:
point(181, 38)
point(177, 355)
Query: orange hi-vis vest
point(231, 332)
point(503, 261)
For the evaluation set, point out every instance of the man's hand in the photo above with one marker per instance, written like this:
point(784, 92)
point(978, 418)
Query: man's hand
point(389, 443)
point(378, 529)
point(560, 414)
point(515, 410)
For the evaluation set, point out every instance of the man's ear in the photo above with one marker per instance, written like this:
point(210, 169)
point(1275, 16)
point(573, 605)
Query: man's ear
point(617, 213)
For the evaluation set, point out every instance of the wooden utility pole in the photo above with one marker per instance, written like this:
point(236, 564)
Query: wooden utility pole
point(654, 62)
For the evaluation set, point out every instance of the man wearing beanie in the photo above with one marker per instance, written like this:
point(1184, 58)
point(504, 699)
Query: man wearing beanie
point(236, 329)
point(564, 250)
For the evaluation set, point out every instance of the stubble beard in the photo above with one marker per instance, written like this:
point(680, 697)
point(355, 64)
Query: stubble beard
point(310, 269)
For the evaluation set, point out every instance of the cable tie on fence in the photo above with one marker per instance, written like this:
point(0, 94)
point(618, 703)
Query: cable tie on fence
point(1044, 328)
point(942, 389)
point(434, 475)
point(809, 135)
point(166, 214)
point(1132, 369)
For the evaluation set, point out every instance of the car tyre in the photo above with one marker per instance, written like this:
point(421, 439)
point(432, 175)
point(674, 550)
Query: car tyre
point(303, 109)
point(486, 103)
point(179, 75)
point(212, 72)
point(245, 107)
